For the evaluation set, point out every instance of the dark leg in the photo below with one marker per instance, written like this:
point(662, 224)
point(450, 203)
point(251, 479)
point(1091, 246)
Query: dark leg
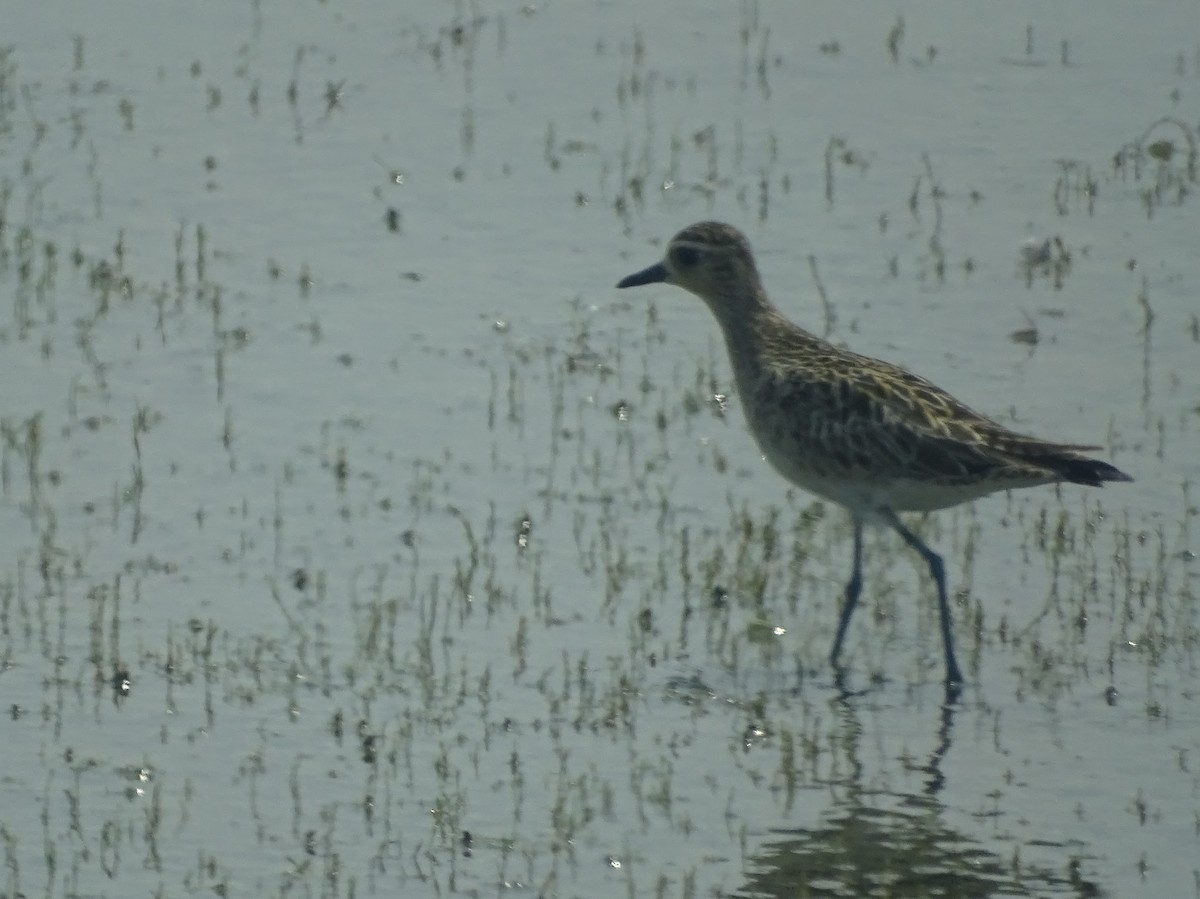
point(853, 589)
point(937, 569)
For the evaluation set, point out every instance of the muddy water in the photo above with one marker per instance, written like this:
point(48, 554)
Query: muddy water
point(359, 538)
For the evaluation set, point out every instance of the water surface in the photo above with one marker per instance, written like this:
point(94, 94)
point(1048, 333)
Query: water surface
point(359, 538)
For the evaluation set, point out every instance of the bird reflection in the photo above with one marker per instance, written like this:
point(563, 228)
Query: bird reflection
point(875, 842)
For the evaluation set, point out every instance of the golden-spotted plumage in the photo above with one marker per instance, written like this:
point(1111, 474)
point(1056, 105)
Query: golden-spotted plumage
point(861, 432)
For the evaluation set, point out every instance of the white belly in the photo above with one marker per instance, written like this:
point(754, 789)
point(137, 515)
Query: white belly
point(864, 495)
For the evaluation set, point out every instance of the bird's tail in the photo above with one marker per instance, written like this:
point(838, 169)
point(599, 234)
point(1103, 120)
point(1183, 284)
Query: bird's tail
point(1069, 463)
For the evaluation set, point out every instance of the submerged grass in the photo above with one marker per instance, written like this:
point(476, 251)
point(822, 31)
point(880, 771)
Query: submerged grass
point(564, 635)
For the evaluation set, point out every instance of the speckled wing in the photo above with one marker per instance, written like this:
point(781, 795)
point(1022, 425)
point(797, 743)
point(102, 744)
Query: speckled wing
point(860, 417)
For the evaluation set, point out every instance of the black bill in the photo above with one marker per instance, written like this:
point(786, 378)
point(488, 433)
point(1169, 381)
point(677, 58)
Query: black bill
point(651, 275)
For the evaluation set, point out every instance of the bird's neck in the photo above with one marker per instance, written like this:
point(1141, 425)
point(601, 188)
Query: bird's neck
point(744, 318)
point(738, 311)
point(754, 328)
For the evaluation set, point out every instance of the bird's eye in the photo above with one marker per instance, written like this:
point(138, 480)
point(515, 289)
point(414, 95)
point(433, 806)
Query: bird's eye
point(684, 257)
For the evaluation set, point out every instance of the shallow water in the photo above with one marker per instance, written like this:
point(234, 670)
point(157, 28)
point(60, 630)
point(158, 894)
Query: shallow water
point(357, 537)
